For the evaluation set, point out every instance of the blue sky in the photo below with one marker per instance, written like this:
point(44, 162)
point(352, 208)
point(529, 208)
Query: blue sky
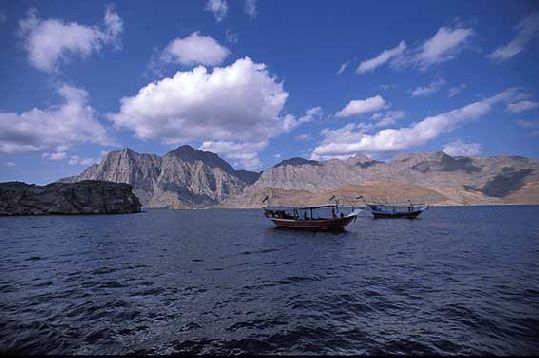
point(261, 81)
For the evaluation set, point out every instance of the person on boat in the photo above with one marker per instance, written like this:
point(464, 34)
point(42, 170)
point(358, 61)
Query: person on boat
point(333, 213)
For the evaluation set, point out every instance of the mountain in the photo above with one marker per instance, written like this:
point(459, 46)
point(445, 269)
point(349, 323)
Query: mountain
point(186, 177)
point(436, 178)
point(183, 177)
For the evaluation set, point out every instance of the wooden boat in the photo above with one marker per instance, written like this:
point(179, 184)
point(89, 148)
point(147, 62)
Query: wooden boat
point(303, 218)
point(410, 211)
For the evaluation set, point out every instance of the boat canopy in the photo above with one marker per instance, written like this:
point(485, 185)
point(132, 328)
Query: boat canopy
point(303, 207)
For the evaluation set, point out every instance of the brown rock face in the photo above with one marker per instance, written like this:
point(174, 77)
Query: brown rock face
point(186, 177)
point(85, 197)
point(182, 178)
point(433, 178)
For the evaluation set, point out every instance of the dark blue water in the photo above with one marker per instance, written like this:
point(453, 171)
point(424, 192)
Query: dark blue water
point(455, 281)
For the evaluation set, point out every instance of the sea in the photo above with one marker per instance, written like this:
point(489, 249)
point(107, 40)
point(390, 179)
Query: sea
point(458, 280)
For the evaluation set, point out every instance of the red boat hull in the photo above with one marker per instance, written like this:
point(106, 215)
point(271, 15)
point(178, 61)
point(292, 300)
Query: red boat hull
point(321, 224)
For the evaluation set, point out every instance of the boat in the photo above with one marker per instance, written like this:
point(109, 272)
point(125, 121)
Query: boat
point(307, 217)
point(410, 211)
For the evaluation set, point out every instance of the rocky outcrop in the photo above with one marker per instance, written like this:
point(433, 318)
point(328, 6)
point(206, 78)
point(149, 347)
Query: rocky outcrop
point(182, 178)
point(85, 197)
point(186, 177)
point(436, 178)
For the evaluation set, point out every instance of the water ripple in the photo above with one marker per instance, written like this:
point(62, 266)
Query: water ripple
point(458, 281)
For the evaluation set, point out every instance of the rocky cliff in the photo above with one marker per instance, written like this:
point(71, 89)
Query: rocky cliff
point(85, 197)
point(182, 178)
point(187, 177)
point(435, 178)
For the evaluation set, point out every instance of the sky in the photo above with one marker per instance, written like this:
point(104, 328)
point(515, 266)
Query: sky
point(259, 81)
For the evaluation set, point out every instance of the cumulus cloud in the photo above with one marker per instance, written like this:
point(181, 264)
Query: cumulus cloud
point(250, 8)
point(360, 106)
point(459, 148)
point(9, 164)
point(375, 62)
point(237, 104)
point(59, 127)
point(527, 30)
point(194, 50)
point(448, 42)
point(353, 138)
point(522, 106)
point(219, 9)
point(429, 89)
point(50, 41)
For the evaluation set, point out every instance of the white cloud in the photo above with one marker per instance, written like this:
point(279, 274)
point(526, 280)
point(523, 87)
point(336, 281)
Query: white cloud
point(343, 68)
point(218, 8)
point(194, 50)
point(242, 154)
point(9, 164)
point(302, 137)
point(522, 106)
point(250, 8)
point(453, 91)
point(429, 89)
point(459, 148)
point(49, 41)
point(527, 31)
point(85, 162)
point(533, 124)
point(232, 37)
point(60, 154)
point(375, 62)
point(353, 137)
point(62, 126)
point(386, 86)
point(228, 108)
point(360, 106)
point(310, 115)
point(443, 46)
point(387, 118)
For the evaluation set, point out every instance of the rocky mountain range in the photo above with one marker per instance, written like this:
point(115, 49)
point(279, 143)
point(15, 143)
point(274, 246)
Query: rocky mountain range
point(182, 178)
point(186, 177)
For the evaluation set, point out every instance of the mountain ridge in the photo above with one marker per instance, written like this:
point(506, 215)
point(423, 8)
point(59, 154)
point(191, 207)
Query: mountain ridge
point(186, 177)
point(181, 178)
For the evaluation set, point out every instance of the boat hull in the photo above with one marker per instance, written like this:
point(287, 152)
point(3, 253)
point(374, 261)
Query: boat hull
point(411, 215)
point(323, 224)
point(385, 213)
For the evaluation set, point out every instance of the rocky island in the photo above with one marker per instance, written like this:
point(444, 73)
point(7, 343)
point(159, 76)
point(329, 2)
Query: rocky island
point(84, 197)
